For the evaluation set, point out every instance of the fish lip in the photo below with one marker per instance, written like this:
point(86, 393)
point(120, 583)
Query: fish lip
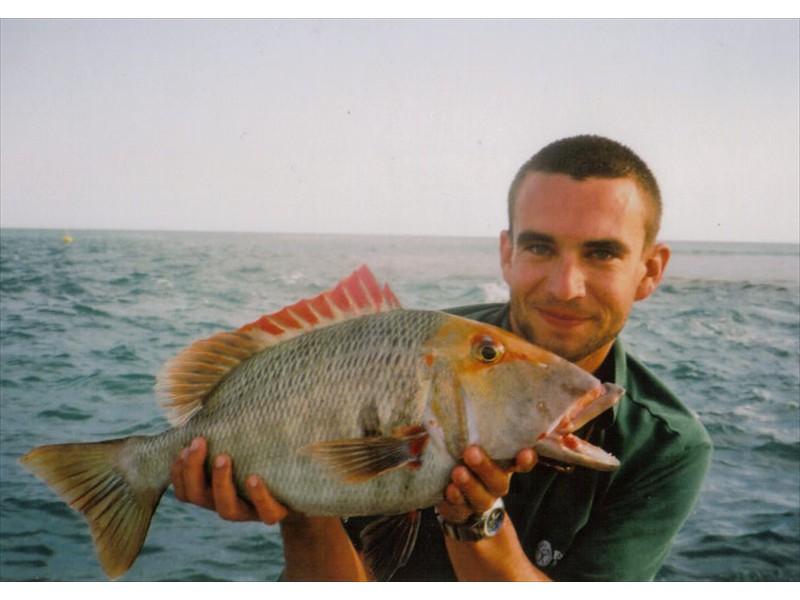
point(593, 403)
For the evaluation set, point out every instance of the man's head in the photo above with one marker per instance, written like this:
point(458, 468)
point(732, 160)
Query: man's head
point(580, 249)
point(585, 156)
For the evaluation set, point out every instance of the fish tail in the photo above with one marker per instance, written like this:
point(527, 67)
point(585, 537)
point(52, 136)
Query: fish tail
point(98, 480)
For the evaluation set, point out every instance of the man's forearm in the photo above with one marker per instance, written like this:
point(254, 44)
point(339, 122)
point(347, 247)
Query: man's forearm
point(318, 549)
point(499, 558)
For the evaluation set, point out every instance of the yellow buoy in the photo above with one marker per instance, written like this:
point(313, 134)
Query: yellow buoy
point(67, 239)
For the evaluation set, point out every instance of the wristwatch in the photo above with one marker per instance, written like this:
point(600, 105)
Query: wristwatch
point(478, 526)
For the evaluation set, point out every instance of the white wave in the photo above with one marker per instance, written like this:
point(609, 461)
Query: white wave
point(494, 292)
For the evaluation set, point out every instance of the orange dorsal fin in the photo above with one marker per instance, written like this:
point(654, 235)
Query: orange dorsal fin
point(355, 296)
point(186, 381)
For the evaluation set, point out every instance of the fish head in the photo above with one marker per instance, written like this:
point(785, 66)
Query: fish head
point(495, 389)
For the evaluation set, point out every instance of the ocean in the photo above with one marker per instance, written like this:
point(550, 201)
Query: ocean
point(85, 327)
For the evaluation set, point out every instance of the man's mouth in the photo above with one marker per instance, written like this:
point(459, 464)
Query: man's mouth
point(562, 319)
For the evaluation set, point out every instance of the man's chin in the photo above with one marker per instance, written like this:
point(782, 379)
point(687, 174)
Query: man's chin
point(557, 347)
point(566, 352)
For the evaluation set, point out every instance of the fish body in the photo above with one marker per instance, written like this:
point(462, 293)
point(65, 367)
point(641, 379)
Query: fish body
point(345, 405)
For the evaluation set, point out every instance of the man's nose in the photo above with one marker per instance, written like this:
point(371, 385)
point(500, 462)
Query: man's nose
point(566, 280)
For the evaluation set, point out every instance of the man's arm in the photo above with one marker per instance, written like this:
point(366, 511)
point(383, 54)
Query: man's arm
point(318, 549)
point(315, 548)
point(473, 489)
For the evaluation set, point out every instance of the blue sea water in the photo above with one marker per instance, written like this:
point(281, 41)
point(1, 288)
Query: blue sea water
point(84, 328)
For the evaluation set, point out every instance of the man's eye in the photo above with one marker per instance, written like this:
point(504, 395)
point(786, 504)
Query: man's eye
point(602, 255)
point(538, 249)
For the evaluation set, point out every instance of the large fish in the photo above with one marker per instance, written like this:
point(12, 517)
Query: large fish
point(345, 404)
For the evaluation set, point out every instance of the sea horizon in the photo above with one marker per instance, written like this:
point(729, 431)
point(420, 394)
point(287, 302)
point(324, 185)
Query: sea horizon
point(71, 230)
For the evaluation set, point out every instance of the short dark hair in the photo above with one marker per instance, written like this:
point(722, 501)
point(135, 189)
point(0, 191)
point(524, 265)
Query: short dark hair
point(585, 156)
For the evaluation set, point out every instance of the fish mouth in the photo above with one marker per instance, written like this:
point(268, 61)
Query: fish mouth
point(593, 403)
point(559, 443)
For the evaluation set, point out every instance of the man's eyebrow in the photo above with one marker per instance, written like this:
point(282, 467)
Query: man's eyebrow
point(527, 237)
point(615, 247)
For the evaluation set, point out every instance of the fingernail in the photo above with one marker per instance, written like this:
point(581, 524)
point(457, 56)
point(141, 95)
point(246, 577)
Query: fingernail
point(472, 456)
point(195, 445)
point(460, 476)
point(220, 462)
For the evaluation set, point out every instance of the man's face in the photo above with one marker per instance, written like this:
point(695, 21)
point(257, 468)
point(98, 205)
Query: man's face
point(577, 263)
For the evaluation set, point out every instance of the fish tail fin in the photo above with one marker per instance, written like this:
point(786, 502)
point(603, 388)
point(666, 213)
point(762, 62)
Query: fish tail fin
point(93, 479)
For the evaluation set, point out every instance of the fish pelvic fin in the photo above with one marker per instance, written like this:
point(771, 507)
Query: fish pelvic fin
point(91, 478)
point(358, 460)
point(387, 544)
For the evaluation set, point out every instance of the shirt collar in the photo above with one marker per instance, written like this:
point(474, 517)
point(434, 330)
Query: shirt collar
point(614, 363)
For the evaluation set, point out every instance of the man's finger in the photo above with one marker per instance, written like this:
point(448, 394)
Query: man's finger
point(455, 508)
point(195, 485)
point(226, 501)
point(269, 510)
point(454, 496)
point(476, 496)
point(525, 461)
point(491, 476)
point(176, 475)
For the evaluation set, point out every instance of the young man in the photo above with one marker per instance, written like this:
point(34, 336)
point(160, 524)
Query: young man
point(580, 250)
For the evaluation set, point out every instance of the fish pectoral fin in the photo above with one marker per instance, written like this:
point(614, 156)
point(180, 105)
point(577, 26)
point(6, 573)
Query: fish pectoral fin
point(360, 459)
point(388, 542)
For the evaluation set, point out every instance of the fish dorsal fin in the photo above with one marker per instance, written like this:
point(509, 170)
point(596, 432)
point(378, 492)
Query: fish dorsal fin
point(357, 295)
point(186, 381)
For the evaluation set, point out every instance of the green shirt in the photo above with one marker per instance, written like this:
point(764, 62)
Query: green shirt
point(587, 525)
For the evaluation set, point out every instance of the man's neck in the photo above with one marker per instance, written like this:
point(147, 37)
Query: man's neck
point(591, 363)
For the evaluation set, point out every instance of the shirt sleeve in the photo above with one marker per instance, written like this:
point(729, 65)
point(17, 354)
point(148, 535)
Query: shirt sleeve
point(631, 527)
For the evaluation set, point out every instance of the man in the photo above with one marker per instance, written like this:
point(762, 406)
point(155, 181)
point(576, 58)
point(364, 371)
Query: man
point(580, 250)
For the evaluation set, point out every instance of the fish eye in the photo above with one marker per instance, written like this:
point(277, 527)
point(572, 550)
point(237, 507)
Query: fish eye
point(488, 351)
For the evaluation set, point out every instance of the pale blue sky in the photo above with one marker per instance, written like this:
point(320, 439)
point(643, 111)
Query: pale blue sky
point(408, 127)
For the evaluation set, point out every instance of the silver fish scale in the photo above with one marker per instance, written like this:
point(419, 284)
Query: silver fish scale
point(358, 378)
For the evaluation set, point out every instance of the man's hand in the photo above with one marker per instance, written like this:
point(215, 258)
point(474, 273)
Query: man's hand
point(473, 489)
point(315, 548)
point(189, 480)
point(479, 482)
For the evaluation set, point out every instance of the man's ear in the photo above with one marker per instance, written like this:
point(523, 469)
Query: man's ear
point(656, 259)
point(506, 252)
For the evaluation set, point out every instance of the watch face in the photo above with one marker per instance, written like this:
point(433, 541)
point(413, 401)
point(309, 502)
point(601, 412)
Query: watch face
point(494, 520)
